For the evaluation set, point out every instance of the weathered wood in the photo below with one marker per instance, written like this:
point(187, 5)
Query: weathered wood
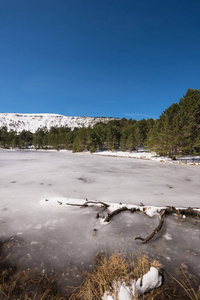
point(114, 213)
point(119, 210)
point(156, 230)
point(88, 202)
point(188, 212)
point(168, 210)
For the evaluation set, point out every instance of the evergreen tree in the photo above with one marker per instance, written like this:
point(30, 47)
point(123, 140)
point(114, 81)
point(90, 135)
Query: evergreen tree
point(163, 137)
point(189, 118)
point(178, 128)
point(38, 138)
point(138, 138)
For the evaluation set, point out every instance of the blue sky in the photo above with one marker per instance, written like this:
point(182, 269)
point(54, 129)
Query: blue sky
point(113, 58)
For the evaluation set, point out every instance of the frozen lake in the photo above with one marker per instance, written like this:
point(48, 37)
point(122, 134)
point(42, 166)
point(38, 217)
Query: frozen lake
point(61, 238)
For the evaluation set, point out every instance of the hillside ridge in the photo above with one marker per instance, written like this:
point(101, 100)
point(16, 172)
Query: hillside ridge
point(31, 122)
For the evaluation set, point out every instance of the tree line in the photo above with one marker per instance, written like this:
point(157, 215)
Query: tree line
point(177, 130)
point(116, 134)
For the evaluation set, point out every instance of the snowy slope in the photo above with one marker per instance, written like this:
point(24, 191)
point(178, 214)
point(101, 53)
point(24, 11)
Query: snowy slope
point(32, 122)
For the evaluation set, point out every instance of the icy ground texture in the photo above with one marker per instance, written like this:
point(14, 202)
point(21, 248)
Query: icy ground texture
point(32, 122)
point(62, 237)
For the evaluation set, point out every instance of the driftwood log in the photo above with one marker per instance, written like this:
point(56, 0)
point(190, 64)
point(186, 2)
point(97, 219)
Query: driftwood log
point(188, 212)
point(169, 210)
point(158, 228)
point(117, 211)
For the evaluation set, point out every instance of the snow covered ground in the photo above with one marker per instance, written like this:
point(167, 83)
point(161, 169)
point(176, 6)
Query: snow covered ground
point(62, 237)
point(193, 160)
point(32, 122)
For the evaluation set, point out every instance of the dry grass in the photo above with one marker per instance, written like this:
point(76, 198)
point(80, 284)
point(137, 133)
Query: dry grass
point(118, 266)
point(41, 287)
point(187, 286)
point(183, 288)
point(113, 268)
point(141, 264)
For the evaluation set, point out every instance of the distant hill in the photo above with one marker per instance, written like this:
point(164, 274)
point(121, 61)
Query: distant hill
point(32, 122)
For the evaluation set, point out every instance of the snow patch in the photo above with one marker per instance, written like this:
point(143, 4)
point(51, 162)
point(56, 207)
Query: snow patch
point(61, 201)
point(122, 291)
point(152, 211)
point(167, 236)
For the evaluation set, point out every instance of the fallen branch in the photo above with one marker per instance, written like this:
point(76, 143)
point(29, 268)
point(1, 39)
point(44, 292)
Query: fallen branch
point(88, 202)
point(169, 210)
point(156, 230)
point(114, 213)
point(117, 211)
point(188, 212)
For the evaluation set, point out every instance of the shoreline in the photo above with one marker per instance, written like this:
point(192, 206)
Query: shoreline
point(180, 160)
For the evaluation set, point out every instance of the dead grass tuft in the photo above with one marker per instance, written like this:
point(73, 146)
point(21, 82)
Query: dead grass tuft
point(141, 264)
point(187, 286)
point(113, 268)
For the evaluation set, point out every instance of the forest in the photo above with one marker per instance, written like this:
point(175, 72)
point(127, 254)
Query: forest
point(175, 132)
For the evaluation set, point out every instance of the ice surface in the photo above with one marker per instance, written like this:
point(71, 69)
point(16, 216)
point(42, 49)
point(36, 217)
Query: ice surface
point(51, 235)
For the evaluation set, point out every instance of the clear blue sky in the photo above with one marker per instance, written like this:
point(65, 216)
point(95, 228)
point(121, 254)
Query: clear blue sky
point(128, 58)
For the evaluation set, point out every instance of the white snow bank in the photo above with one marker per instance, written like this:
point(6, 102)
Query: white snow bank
point(151, 211)
point(147, 155)
point(61, 201)
point(150, 280)
point(122, 291)
point(192, 160)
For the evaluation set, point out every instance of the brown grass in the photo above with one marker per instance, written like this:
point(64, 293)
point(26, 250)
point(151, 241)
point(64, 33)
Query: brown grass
point(113, 268)
point(41, 287)
point(118, 266)
point(187, 286)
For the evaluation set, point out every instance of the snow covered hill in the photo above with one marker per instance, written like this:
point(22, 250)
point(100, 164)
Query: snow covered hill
point(32, 122)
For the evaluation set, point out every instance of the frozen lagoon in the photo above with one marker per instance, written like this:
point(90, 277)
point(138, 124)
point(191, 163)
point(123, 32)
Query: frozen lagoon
point(61, 238)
